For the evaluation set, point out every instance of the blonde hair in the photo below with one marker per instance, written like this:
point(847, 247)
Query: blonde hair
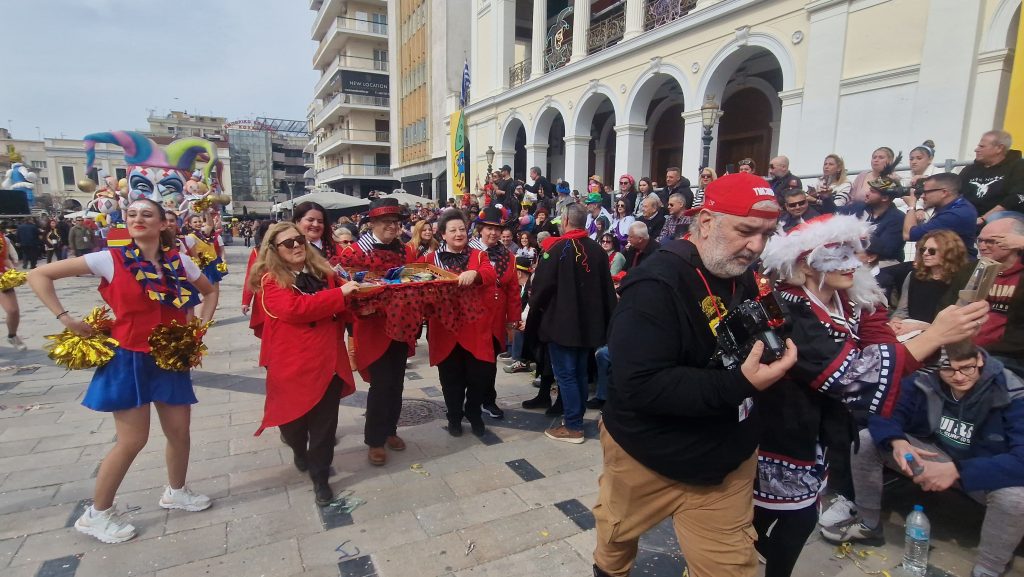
point(270, 262)
point(841, 176)
point(417, 231)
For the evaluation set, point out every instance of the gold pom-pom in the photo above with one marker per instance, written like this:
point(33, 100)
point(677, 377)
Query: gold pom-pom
point(203, 259)
point(12, 278)
point(87, 186)
point(179, 347)
point(201, 205)
point(75, 352)
point(222, 267)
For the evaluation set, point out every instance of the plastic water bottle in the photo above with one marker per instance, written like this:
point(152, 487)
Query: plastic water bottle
point(915, 548)
point(915, 467)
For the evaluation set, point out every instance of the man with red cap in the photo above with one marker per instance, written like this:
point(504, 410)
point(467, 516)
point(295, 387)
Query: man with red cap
point(679, 431)
point(379, 358)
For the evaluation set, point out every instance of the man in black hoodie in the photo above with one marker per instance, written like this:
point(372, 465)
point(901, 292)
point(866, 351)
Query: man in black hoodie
point(995, 182)
point(675, 183)
point(679, 430)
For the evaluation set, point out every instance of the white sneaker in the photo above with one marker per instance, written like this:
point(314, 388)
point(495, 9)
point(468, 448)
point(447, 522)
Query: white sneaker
point(840, 510)
point(185, 499)
point(17, 343)
point(108, 526)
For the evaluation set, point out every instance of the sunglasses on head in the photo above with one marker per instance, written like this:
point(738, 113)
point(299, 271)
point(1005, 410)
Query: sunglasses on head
point(928, 250)
point(292, 242)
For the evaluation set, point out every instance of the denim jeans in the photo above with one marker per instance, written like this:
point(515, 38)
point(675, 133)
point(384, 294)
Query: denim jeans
point(604, 372)
point(570, 367)
point(517, 345)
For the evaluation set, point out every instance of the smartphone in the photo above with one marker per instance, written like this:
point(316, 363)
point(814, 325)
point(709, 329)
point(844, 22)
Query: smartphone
point(980, 282)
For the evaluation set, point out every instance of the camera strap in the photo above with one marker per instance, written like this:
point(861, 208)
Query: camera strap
point(711, 295)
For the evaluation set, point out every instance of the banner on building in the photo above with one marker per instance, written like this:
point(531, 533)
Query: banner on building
point(457, 128)
point(365, 83)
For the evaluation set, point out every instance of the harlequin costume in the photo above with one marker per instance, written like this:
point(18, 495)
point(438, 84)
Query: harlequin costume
point(379, 358)
point(464, 359)
point(206, 250)
point(849, 365)
point(504, 304)
point(303, 349)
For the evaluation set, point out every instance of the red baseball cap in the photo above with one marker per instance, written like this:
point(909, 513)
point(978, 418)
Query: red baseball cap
point(736, 194)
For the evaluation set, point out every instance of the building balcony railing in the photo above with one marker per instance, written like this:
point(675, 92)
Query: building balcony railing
point(347, 61)
point(660, 12)
point(345, 26)
point(343, 99)
point(351, 136)
point(555, 58)
point(605, 33)
point(343, 171)
point(277, 157)
point(519, 73)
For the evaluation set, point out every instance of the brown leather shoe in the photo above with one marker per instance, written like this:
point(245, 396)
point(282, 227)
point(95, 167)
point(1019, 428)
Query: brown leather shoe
point(395, 443)
point(377, 455)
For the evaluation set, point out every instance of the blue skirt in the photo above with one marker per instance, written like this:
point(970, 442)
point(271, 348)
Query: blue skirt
point(132, 379)
point(211, 272)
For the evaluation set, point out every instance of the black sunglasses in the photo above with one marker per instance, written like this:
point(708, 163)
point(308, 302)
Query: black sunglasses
point(292, 242)
point(796, 204)
point(930, 251)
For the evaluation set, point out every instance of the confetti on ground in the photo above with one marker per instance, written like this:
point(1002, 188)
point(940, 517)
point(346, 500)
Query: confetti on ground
point(418, 468)
point(470, 546)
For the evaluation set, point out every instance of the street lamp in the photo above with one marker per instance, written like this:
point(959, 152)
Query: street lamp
point(490, 159)
point(709, 115)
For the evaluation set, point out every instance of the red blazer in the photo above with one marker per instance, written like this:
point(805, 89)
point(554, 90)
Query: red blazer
point(303, 347)
point(371, 340)
point(507, 304)
point(256, 314)
point(475, 338)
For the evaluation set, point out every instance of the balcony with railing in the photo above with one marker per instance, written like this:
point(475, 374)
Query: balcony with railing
point(605, 33)
point(519, 73)
point(661, 12)
point(349, 136)
point(341, 29)
point(343, 101)
point(343, 171)
point(350, 62)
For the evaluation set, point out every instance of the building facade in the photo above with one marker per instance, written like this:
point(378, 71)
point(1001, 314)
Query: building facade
point(428, 48)
point(269, 161)
point(179, 124)
point(350, 117)
point(609, 87)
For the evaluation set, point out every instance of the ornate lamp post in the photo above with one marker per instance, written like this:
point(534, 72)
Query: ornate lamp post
point(709, 115)
point(490, 159)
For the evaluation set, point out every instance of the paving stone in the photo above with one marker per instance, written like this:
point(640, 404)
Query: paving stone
point(578, 513)
point(40, 460)
point(149, 523)
point(411, 496)
point(34, 520)
point(526, 471)
point(447, 517)
point(388, 533)
point(357, 567)
point(15, 448)
point(440, 466)
point(559, 487)
point(280, 558)
point(515, 533)
point(21, 571)
point(482, 479)
point(17, 433)
point(551, 560)
point(147, 556)
point(60, 567)
point(234, 464)
point(272, 527)
point(229, 509)
point(266, 478)
point(24, 499)
point(8, 547)
point(74, 440)
point(432, 556)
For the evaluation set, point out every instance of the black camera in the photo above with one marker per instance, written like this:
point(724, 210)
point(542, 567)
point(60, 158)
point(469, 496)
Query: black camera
point(764, 319)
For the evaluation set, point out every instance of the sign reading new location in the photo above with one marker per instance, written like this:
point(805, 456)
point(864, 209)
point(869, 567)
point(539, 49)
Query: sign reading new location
point(366, 83)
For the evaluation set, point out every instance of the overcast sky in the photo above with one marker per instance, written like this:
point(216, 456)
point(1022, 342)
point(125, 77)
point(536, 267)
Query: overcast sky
point(81, 66)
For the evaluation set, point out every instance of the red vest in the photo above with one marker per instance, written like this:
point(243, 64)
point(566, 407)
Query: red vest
point(135, 314)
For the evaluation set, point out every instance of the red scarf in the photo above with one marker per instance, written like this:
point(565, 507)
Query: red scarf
point(551, 240)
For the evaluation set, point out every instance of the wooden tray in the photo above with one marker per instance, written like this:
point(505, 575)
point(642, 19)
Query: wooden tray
point(444, 276)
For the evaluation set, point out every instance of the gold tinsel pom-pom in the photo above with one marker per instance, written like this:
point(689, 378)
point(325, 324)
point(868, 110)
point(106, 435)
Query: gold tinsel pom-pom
point(12, 278)
point(222, 267)
point(179, 347)
point(203, 259)
point(75, 352)
point(202, 204)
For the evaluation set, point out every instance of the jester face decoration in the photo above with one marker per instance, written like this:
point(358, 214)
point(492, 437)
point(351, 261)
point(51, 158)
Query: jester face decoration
point(154, 184)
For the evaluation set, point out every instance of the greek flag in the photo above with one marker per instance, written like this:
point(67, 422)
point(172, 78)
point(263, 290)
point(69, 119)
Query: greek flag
point(464, 96)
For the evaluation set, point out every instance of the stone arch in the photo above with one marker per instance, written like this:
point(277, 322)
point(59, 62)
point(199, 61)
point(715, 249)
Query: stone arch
point(509, 130)
point(721, 67)
point(546, 114)
point(998, 30)
point(588, 104)
point(646, 85)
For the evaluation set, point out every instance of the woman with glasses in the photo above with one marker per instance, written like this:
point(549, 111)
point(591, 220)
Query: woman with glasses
point(379, 358)
point(423, 240)
point(611, 245)
point(303, 349)
point(621, 219)
point(833, 187)
point(627, 192)
point(940, 255)
point(707, 176)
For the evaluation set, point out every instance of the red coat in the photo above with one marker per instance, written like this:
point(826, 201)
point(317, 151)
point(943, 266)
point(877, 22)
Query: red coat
point(135, 314)
point(475, 338)
point(507, 303)
point(371, 340)
point(256, 314)
point(303, 347)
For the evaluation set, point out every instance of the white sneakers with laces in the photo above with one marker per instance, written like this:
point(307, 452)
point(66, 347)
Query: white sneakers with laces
point(17, 343)
point(108, 526)
point(839, 510)
point(184, 499)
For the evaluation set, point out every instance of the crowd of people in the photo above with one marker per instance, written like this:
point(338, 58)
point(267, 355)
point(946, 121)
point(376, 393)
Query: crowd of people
point(635, 290)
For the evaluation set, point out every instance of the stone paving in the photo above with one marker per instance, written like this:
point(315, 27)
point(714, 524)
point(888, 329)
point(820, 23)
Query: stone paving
point(512, 503)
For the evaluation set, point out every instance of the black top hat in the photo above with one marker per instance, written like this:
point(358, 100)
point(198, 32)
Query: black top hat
point(492, 215)
point(386, 207)
point(524, 264)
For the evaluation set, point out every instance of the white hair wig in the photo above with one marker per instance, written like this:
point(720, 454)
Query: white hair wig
point(827, 243)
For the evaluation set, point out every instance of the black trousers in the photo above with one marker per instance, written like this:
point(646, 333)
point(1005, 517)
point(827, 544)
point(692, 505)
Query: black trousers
point(781, 536)
point(490, 393)
point(313, 434)
point(463, 379)
point(384, 401)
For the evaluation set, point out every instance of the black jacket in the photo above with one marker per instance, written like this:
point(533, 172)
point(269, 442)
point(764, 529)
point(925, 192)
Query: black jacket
point(542, 184)
point(780, 183)
point(572, 294)
point(631, 254)
point(1001, 184)
point(682, 188)
point(669, 404)
point(654, 224)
